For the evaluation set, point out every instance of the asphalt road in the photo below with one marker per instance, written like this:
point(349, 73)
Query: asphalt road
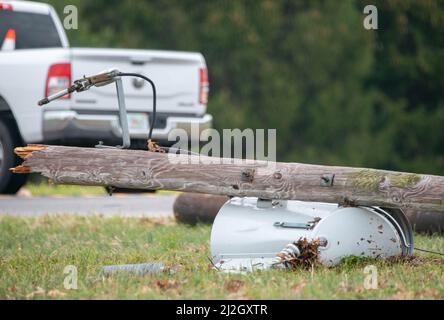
point(125, 205)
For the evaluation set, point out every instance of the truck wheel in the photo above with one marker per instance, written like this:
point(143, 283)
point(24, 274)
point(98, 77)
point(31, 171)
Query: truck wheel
point(9, 183)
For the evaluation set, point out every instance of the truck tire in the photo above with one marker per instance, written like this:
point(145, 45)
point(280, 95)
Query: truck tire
point(9, 139)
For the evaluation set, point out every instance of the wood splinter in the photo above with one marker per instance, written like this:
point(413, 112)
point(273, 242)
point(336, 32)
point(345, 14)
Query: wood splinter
point(25, 152)
point(20, 169)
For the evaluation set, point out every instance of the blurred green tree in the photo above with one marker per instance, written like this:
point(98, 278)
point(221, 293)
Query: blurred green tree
point(336, 92)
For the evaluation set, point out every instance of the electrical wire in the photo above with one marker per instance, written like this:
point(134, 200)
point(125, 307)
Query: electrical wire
point(429, 251)
point(153, 118)
point(190, 153)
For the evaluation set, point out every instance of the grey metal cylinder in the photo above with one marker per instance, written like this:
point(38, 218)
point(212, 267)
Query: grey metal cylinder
point(140, 269)
point(192, 208)
point(427, 222)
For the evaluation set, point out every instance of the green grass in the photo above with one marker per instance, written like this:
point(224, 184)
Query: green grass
point(45, 189)
point(35, 251)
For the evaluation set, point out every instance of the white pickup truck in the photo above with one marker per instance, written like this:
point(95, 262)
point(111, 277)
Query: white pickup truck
point(36, 61)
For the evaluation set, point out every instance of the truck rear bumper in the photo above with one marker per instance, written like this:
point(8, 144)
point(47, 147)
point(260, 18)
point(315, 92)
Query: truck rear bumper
point(72, 126)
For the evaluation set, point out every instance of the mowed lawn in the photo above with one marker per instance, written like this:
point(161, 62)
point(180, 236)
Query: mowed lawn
point(35, 251)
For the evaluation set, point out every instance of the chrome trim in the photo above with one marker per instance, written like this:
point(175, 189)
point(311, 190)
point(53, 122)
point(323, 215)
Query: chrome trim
point(55, 122)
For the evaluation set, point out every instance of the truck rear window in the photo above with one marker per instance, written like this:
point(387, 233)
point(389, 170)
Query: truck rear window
point(32, 30)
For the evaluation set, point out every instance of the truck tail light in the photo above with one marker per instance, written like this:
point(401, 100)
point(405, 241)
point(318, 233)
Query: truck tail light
point(203, 86)
point(59, 78)
point(5, 6)
point(9, 42)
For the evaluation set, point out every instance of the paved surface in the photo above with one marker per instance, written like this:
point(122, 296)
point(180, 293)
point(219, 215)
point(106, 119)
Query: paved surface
point(127, 205)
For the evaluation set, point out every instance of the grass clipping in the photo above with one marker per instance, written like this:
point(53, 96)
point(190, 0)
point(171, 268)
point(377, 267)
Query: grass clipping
point(308, 257)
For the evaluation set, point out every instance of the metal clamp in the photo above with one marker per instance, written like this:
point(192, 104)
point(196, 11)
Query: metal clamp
point(123, 118)
point(327, 180)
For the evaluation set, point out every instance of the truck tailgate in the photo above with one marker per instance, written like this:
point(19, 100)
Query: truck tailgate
point(175, 74)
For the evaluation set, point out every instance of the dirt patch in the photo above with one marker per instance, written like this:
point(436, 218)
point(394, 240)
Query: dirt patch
point(234, 286)
point(54, 293)
point(165, 284)
point(156, 221)
point(298, 288)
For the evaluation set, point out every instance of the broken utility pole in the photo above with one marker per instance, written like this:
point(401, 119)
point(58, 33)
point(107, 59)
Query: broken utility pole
point(233, 177)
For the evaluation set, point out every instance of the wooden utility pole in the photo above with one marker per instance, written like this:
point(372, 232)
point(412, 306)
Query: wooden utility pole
point(233, 177)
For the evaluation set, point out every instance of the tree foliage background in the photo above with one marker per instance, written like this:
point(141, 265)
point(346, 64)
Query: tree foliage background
point(336, 92)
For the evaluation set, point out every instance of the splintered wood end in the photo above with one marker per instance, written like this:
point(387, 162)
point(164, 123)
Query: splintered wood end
point(20, 169)
point(25, 152)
